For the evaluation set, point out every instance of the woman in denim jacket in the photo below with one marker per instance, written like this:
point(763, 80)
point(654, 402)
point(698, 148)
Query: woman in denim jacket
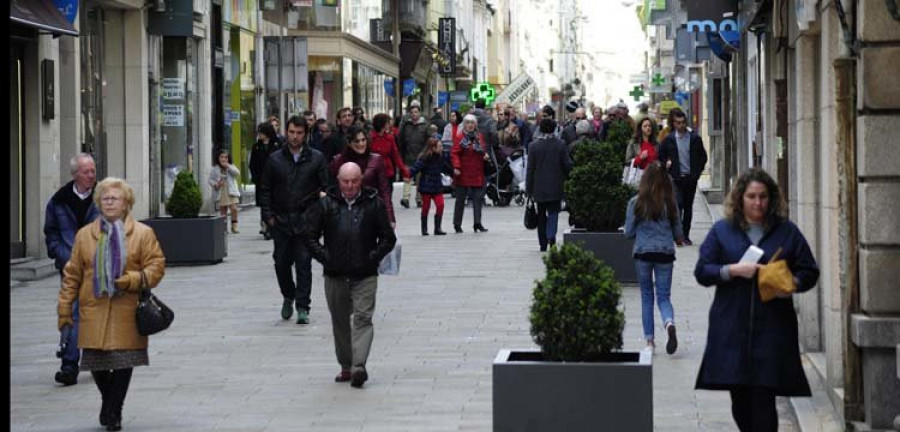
point(652, 221)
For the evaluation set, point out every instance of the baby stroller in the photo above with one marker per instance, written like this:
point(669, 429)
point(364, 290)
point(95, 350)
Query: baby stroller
point(506, 181)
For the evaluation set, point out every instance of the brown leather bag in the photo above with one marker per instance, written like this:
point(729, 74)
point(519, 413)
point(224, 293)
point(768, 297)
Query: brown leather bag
point(775, 278)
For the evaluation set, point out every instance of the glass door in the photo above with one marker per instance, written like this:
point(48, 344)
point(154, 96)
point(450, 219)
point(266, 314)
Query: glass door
point(16, 153)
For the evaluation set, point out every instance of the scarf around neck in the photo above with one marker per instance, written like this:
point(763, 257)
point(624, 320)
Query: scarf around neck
point(109, 262)
point(470, 138)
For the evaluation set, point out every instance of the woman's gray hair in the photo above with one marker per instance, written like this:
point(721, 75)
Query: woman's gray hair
point(470, 118)
point(583, 127)
point(73, 162)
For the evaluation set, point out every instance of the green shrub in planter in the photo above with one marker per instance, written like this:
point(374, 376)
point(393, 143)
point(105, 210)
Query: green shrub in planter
point(595, 195)
point(619, 135)
point(186, 199)
point(575, 311)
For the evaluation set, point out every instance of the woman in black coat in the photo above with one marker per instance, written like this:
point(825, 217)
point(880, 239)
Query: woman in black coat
point(266, 142)
point(548, 166)
point(752, 347)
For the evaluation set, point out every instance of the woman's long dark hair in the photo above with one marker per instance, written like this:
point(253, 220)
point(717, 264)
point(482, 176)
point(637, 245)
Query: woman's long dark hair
point(734, 203)
point(656, 198)
point(350, 155)
point(458, 117)
point(268, 130)
point(639, 134)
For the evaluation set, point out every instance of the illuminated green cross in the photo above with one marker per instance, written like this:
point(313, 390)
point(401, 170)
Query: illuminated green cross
point(658, 79)
point(637, 93)
point(483, 91)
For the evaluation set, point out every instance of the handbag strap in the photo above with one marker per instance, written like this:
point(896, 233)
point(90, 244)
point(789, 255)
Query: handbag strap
point(775, 255)
point(144, 285)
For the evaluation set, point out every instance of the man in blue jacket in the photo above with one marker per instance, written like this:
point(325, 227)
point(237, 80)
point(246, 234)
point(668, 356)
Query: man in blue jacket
point(70, 208)
point(683, 154)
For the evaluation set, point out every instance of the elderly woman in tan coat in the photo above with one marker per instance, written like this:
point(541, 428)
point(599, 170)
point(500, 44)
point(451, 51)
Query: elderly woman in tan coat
point(110, 258)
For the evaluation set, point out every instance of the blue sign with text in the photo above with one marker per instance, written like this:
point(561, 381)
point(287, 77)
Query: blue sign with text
point(443, 97)
point(68, 8)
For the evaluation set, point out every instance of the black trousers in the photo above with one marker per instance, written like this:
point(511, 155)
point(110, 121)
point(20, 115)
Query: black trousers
point(685, 190)
point(753, 409)
point(113, 386)
point(291, 252)
point(475, 195)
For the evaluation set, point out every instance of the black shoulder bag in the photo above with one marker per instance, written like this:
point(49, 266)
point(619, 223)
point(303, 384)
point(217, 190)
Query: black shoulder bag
point(531, 216)
point(153, 316)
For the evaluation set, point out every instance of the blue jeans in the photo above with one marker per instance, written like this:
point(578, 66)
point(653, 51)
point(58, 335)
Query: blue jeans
point(548, 219)
point(663, 271)
point(72, 355)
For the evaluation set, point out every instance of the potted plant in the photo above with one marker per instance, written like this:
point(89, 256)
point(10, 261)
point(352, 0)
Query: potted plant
point(597, 200)
point(579, 380)
point(187, 237)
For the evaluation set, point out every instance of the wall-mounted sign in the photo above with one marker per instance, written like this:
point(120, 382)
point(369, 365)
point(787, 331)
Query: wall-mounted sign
point(447, 45)
point(483, 90)
point(68, 8)
point(517, 90)
point(173, 115)
point(172, 88)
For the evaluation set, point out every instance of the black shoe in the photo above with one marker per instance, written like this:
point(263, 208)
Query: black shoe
point(405, 203)
point(424, 225)
point(688, 242)
point(671, 339)
point(479, 228)
point(287, 309)
point(437, 226)
point(418, 204)
point(458, 229)
point(358, 377)
point(67, 377)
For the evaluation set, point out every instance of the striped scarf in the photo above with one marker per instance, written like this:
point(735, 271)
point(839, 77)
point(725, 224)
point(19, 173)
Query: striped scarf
point(469, 138)
point(109, 263)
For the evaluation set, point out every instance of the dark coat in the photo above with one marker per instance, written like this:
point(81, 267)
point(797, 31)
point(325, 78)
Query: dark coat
point(751, 343)
point(375, 174)
point(431, 169)
point(548, 166)
point(61, 225)
point(289, 187)
point(356, 238)
point(259, 155)
point(668, 149)
point(438, 121)
point(412, 139)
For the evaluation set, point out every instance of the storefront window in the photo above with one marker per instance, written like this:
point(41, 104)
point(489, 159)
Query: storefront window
point(179, 136)
point(93, 87)
point(326, 91)
point(368, 90)
point(315, 15)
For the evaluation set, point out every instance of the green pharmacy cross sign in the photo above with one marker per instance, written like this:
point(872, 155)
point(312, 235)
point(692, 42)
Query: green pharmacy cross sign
point(484, 91)
point(658, 80)
point(637, 93)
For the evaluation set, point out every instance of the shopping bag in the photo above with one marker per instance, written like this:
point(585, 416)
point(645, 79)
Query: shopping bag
point(446, 181)
point(390, 264)
point(631, 175)
point(407, 190)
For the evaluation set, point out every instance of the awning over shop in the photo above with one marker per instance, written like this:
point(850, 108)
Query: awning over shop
point(40, 14)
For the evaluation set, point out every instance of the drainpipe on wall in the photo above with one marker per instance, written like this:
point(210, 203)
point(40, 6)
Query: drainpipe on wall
point(845, 136)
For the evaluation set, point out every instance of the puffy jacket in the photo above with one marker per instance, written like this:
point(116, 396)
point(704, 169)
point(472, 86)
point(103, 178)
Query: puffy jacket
point(108, 323)
point(356, 236)
point(469, 162)
point(431, 169)
point(386, 146)
point(289, 187)
point(374, 176)
point(412, 139)
point(61, 224)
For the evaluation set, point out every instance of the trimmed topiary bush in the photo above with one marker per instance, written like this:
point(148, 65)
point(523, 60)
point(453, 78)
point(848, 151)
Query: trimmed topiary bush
point(595, 195)
point(186, 199)
point(575, 310)
point(620, 133)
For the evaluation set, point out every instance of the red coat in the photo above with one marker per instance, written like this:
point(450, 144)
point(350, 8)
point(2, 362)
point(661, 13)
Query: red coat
point(651, 155)
point(386, 146)
point(468, 162)
point(374, 177)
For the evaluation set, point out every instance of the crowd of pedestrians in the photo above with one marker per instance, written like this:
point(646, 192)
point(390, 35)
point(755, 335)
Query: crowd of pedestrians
point(325, 192)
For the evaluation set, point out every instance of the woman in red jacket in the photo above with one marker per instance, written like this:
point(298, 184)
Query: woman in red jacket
point(385, 145)
point(467, 157)
point(643, 149)
point(360, 152)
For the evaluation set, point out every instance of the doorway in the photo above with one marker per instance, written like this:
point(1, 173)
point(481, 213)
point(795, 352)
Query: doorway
point(16, 151)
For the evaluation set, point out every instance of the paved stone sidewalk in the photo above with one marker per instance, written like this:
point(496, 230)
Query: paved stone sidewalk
point(229, 363)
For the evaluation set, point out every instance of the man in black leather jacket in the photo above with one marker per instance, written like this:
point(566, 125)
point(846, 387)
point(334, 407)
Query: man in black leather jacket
point(292, 180)
point(358, 234)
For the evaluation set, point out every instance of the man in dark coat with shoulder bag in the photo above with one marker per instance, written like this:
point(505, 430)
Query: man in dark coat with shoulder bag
point(548, 166)
point(357, 236)
point(292, 180)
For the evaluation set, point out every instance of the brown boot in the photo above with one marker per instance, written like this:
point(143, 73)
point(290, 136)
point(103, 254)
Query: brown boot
point(234, 229)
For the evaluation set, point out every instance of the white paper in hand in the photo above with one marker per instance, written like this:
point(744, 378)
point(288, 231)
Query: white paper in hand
point(752, 255)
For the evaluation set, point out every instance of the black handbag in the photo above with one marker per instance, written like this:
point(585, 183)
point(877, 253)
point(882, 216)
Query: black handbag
point(152, 315)
point(531, 216)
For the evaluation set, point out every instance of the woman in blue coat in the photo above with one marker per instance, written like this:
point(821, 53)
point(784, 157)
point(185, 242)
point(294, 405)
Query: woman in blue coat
point(752, 347)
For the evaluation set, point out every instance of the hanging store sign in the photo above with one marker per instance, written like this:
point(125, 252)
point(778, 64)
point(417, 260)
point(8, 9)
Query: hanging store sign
point(517, 90)
point(447, 45)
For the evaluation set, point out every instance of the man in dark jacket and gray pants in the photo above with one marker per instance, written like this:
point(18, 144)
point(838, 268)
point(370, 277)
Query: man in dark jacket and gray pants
point(683, 154)
point(548, 166)
point(292, 180)
point(70, 208)
point(358, 234)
